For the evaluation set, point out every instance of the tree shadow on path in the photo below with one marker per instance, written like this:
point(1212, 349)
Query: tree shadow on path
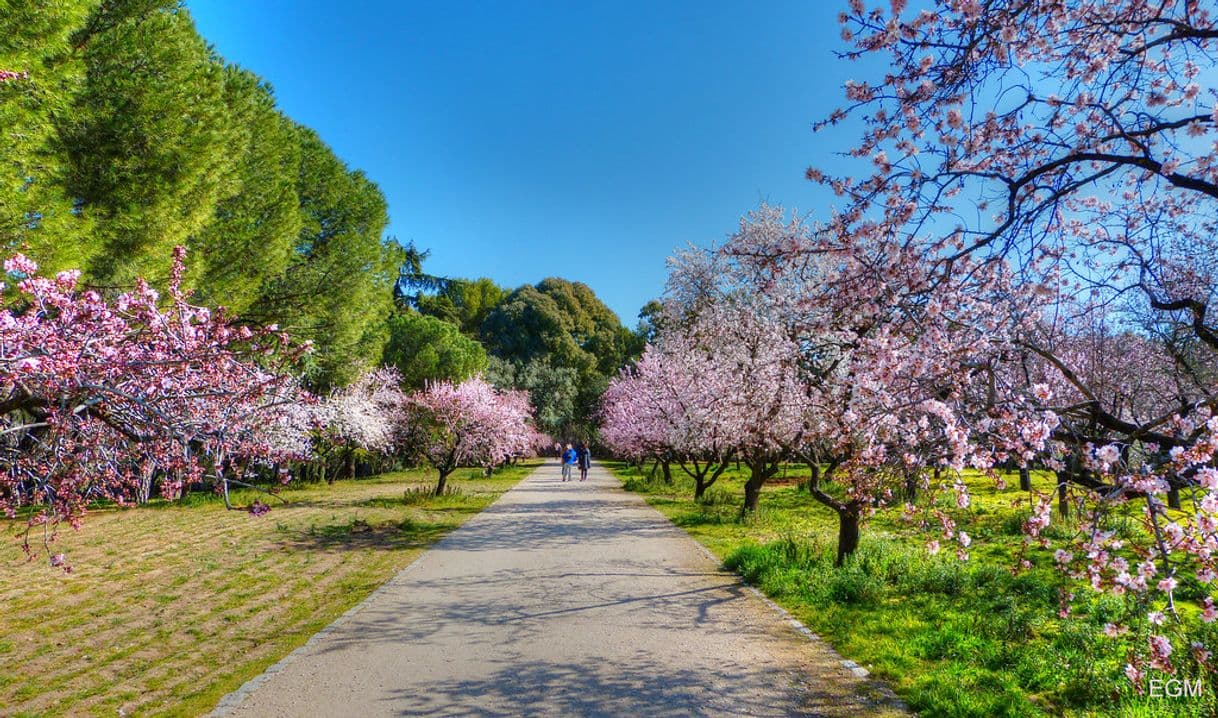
point(639, 687)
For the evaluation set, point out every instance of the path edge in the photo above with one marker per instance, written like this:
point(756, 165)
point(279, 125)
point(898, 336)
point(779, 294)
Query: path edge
point(232, 700)
point(797, 625)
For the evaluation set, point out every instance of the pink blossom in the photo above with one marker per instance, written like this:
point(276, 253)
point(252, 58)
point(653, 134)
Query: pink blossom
point(21, 264)
point(1108, 455)
point(1161, 650)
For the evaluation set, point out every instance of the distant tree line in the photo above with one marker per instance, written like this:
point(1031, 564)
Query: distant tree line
point(555, 339)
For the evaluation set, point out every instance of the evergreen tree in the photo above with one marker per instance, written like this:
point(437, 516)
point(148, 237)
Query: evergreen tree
point(149, 139)
point(250, 239)
point(125, 135)
point(337, 290)
point(464, 302)
point(425, 349)
point(558, 334)
point(37, 213)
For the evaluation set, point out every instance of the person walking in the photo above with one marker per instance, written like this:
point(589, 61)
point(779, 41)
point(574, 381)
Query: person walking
point(569, 458)
point(584, 459)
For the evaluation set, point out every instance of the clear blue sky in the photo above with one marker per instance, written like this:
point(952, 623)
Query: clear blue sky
point(588, 140)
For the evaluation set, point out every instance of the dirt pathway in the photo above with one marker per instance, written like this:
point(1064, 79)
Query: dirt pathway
point(567, 599)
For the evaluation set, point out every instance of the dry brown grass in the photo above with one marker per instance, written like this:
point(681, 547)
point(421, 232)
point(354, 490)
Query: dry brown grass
point(170, 608)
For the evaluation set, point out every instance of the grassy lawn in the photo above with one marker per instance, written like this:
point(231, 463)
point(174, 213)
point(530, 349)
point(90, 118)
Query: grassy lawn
point(170, 607)
point(953, 638)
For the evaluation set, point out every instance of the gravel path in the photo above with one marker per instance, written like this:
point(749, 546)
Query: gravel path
point(566, 599)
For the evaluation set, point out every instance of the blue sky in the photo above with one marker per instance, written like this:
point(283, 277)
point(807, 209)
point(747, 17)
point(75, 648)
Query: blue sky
point(520, 140)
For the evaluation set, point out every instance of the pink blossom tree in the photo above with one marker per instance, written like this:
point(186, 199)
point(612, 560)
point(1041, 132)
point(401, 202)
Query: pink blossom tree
point(726, 330)
point(1054, 159)
point(115, 399)
point(670, 404)
point(867, 391)
point(468, 424)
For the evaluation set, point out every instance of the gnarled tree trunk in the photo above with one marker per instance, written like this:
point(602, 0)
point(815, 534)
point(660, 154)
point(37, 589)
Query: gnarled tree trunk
point(759, 471)
point(847, 531)
point(705, 476)
point(443, 482)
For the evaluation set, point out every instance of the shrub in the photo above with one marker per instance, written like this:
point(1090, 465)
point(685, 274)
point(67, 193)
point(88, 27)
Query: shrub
point(719, 496)
point(423, 493)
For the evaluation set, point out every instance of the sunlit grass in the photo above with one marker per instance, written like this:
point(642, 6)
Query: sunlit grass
point(954, 638)
point(171, 607)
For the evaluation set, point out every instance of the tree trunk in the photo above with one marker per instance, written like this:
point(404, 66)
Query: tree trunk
point(911, 488)
point(706, 478)
point(847, 533)
point(442, 482)
point(813, 477)
point(758, 473)
point(144, 493)
point(752, 496)
point(1063, 501)
point(667, 472)
point(1025, 479)
point(1173, 498)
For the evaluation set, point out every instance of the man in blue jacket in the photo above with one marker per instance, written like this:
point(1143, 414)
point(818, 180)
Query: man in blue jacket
point(568, 460)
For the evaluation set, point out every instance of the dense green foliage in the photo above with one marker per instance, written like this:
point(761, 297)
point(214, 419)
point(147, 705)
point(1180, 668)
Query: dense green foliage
point(553, 389)
point(560, 342)
point(36, 207)
point(424, 348)
point(559, 319)
point(130, 136)
point(337, 289)
point(464, 302)
point(147, 139)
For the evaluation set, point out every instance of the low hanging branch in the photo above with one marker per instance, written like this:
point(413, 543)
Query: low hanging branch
point(118, 388)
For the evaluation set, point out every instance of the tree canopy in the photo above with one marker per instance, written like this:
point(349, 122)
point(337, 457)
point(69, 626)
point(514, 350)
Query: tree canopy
point(464, 302)
point(561, 342)
point(425, 349)
point(127, 135)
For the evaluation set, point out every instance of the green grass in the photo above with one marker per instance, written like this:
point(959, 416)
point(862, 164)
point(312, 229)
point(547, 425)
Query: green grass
point(953, 638)
point(174, 605)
